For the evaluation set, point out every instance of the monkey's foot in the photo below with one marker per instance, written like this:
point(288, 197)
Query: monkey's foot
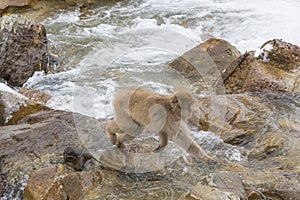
point(121, 146)
point(210, 160)
point(158, 149)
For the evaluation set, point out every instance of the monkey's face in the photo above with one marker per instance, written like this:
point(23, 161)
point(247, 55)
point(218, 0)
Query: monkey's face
point(186, 110)
point(184, 101)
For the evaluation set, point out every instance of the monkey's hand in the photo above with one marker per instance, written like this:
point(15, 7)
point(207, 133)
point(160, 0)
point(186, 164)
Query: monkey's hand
point(158, 149)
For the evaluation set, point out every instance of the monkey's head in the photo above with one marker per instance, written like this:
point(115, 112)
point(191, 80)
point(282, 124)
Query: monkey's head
point(181, 104)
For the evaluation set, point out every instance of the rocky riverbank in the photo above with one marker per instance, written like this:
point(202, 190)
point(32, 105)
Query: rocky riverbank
point(253, 106)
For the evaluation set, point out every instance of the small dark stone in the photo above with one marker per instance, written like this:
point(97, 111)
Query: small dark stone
point(77, 158)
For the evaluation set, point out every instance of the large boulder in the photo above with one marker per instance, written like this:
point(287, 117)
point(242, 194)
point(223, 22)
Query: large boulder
point(274, 67)
point(36, 141)
point(235, 118)
point(206, 62)
point(23, 49)
point(217, 66)
point(265, 127)
point(34, 136)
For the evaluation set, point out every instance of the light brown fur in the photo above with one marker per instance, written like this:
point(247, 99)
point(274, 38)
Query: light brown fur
point(138, 109)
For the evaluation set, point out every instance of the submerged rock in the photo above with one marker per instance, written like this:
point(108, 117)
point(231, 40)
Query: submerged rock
point(23, 49)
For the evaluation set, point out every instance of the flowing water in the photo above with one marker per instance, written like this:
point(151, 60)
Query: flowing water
point(103, 48)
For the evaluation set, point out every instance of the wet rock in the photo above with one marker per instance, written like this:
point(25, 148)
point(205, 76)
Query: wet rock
point(2, 111)
point(220, 186)
point(23, 49)
point(10, 101)
point(280, 54)
point(35, 95)
point(139, 156)
point(270, 145)
point(41, 180)
point(17, 3)
point(37, 141)
point(274, 67)
point(217, 66)
point(19, 116)
point(272, 184)
point(14, 106)
point(55, 182)
point(279, 194)
point(235, 118)
point(205, 62)
point(2, 180)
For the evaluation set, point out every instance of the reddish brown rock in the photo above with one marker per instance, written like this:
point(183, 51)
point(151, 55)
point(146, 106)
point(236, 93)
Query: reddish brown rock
point(274, 67)
point(205, 62)
point(35, 95)
point(217, 66)
point(55, 182)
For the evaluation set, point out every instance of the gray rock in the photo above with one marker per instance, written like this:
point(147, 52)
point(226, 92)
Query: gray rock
point(220, 186)
point(23, 49)
point(27, 146)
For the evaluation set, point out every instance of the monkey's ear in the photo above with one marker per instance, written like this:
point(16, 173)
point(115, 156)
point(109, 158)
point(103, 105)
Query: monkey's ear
point(174, 102)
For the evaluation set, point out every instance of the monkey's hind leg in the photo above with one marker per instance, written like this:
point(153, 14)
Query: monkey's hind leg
point(195, 150)
point(163, 141)
point(116, 135)
point(111, 130)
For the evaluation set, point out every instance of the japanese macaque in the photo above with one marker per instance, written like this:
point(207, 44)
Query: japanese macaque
point(138, 110)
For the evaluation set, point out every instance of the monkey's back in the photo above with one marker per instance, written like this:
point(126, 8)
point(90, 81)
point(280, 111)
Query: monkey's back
point(141, 102)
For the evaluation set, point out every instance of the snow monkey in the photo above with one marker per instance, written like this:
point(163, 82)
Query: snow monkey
point(138, 110)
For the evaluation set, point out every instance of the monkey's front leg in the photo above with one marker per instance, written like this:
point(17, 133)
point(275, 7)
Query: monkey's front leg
point(111, 129)
point(121, 138)
point(163, 141)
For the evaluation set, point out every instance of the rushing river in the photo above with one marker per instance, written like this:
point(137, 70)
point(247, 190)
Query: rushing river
point(104, 48)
